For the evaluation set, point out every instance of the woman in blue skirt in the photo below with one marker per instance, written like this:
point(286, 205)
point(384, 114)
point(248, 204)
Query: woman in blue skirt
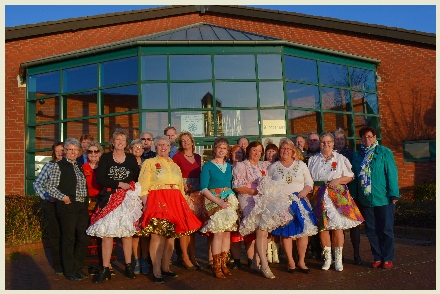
point(292, 173)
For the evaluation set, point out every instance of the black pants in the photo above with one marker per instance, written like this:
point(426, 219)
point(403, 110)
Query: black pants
point(74, 223)
point(54, 234)
point(355, 237)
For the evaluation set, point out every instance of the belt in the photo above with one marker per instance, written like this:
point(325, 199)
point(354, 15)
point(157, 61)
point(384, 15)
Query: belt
point(319, 183)
point(219, 190)
point(165, 186)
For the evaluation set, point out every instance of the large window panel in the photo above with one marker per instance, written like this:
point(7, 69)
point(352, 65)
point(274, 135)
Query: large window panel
point(190, 95)
point(129, 123)
point(83, 104)
point(332, 121)
point(80, 78)
point(361, 121)
point(365, 102)
point(238, 122)
point(154, 122)
point(155, 96)
point(362, 79)
point(44, 84)
point(333, 74)
point(269, 66)
point(302, 95)
point(236, 94)
point(41, 158)
point(301, 69)
point(271, 94)
point(190, 67)
point(303, 122)
point(234, 66)
point(119, 71)
point(120, 99)
point(75, 129)
point(154, 67)
point(198, 123)
point(46, 136)
point(47, 109)
point(336, 99)
point(273, 122)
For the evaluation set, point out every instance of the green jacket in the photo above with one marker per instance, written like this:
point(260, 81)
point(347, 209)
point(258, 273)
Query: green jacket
point(384, 179)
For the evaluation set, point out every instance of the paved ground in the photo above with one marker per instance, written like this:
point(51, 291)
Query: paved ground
point(414, 268)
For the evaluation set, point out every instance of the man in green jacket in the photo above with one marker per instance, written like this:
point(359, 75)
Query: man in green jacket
point(376, 189)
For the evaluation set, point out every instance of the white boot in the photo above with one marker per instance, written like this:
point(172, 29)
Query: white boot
point(338, 259)
point(275, 251)
point(327, 253)
point(269, 252)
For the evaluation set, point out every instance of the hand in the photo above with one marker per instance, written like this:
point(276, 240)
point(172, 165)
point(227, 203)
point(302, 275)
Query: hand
point(224, 204)
point(255, 192)
point(302, 194)
point(124, 186)
point(66, 200)
point(395, 201)
point(333, 183)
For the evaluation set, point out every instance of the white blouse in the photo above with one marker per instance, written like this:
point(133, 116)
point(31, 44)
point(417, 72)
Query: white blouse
point(293, 178)
point(338, 166)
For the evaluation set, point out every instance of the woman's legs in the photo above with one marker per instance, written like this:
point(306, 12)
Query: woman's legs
point(324, 237)
point(107, 246)
point(145, 246)
point(287, 244)
point(167, 252)
point(184, 242)
point(261, 245)
point(127, 248)
point(209, 244)
point(157, 247)
point(338, 238)
point(136, 248)
point(236, 250)
point(192, 248)
point(301, 245)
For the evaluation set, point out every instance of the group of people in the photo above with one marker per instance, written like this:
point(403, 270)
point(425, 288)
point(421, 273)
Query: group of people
point(156, 201)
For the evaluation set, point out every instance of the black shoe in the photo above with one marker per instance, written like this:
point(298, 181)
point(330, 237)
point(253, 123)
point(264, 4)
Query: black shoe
point(129, 273)
point(236, 264)
point(357, 260)
point(159, 280)
point(59, 272)
point(249, 262)
point(103, 274)
point(303, 270)
point(74, 277)
point(82, 274)
point(291, 270)
point(169, 274)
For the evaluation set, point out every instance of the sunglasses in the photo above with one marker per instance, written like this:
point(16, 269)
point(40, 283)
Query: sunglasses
point(148, 139)
point(92, 151)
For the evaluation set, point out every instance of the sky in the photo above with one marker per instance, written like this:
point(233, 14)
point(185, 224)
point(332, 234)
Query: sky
point(410, 17)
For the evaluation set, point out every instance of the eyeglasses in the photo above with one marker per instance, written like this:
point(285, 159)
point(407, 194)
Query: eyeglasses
point(326, 142)
point(73, 149)
point(137, 147)
point(286, 149)
point(92, 151)
point(148, 139)
point(367, 137)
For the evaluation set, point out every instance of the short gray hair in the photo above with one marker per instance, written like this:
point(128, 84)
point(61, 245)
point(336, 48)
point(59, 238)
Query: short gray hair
point(72, 141)
point(161, 137)
point(96, 144)
point(136, 141)
point(339, 131)
point(326, 134)
point(143, 133)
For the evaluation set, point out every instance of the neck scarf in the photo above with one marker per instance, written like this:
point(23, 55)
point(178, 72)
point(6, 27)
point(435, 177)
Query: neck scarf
point(365, 173)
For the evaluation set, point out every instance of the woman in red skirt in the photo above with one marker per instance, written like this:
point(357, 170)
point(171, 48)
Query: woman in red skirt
point(166, 212)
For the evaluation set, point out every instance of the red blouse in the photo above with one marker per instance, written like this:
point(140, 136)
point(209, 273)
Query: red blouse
point(92, 186)
point(188, 169)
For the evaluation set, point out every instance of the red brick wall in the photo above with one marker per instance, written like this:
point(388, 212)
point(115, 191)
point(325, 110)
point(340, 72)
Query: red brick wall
point(403, 68)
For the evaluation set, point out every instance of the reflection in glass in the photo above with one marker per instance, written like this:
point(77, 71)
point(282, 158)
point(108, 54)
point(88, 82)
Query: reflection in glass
point(129, 123)
point(332, 121)
point(371, 121)
point(234, 66)
point(154, 96)
point(80, 78)
point(365, 103)
point(269, 66)
point(273, 122)
point(47, 109)
point(416, 150)
point(83, 104)
point(189, 95)
point(303, 122)
point(236, 94)
point(237, 123)
point(119, 71)
point(301, 69)
point(154, 122)
point(190, 67)
point(198, 123)
point(333, 74)
point(46, 136)
point(271, 94)
point(41, 158)
point(120, 99)
point(336, 99)
point(44, 84)
point(363, 79)
point(154, 67)
point(75, 129)
point(301, 95)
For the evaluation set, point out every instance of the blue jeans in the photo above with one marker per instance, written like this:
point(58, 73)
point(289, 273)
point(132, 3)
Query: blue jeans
point(379, 227)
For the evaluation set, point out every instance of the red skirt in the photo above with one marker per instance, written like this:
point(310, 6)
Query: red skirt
point(167, 213)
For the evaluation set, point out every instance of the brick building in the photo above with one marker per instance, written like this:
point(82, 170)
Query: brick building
point(217, 70)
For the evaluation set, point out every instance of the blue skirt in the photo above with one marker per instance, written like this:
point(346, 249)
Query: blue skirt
point(303, 223)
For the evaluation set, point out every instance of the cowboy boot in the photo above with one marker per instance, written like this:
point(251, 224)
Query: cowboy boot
point(224, 259)
point(327, 253)
point(216, 267)
point(269, 252)
point(338, 259)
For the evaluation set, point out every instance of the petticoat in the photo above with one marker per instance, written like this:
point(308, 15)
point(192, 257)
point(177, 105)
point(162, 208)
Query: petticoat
point(337, 220)
point(224, 220)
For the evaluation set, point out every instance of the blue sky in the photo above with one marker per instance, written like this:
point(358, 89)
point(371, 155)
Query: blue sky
point(411, 17)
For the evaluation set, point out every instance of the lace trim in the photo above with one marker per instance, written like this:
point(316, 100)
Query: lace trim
point(309, 228)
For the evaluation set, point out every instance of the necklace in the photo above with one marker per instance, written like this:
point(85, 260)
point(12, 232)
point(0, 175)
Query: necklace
point(120, 159)
point(290, 173)
point(189, 155)
point(221, 166)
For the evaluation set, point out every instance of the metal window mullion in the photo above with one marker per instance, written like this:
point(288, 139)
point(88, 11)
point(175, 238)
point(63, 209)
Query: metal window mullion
point(214, 98)
point(169, 88)
point(257, 84)
point(140, 119)
point(283, 76)
point(100, 106)
point(321, 116)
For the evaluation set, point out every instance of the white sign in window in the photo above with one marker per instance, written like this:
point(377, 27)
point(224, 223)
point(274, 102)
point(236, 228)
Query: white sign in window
point(274, 126)
point(193, 123)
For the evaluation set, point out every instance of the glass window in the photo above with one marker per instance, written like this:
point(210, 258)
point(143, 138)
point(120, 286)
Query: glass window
point(303, 122)
point(129, 123)
point(154, 122)
point(271, 94)
point(83, 104)
point(234, 66)
point(46, 136)
point(238, 123)
point(47, 109)
point(154, 96)
point(120, 99)
point(154, 67)
point(423, 150)
point(41, 158)
point(333, 74)
point(269, 66)
point(273, 122)
point(301, 95)
point(301, 69)
point(80, 78)
point(198, 123)
point(119, 71)
point(361, 121)
point(332, 121)
point(336, 99)
point(236, 94)
point(363, 79)
point(43, 84)
point(365, 103)
point(75, 129)
point(190, 67)
point(190, 95)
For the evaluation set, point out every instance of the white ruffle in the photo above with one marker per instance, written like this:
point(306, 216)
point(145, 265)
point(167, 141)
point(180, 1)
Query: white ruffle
point(271, 208)
point(336, 219)
point(309, 228)
point(223, 220)
point(119, 222)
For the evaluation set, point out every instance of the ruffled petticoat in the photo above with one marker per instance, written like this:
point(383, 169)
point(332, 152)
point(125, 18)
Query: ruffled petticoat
point(336, 219)
point(270, 210)
point(303, 222)
point(120, 216)
point(224, 220)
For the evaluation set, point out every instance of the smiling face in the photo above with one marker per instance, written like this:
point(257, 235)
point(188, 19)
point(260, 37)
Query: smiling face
point(187, 144)
point(163, 148)
point(59, 152)
point(237, 155)
point(326, 144)
point(137, 150)
point(147, 140)
point(221, 150)
point(339, 142)
point(255, 153)
point(271, 155)
point(120, 142)
point(300, 142)
point(72, 152)
point(313, 142)
point(368, 139)
point(286, 153)
point(93, 154)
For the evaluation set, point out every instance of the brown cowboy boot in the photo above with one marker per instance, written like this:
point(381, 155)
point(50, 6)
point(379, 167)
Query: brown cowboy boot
point(216, 267)
point(224, 258)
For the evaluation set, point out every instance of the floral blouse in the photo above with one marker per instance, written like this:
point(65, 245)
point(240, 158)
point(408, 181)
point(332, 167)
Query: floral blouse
point(246, 174)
